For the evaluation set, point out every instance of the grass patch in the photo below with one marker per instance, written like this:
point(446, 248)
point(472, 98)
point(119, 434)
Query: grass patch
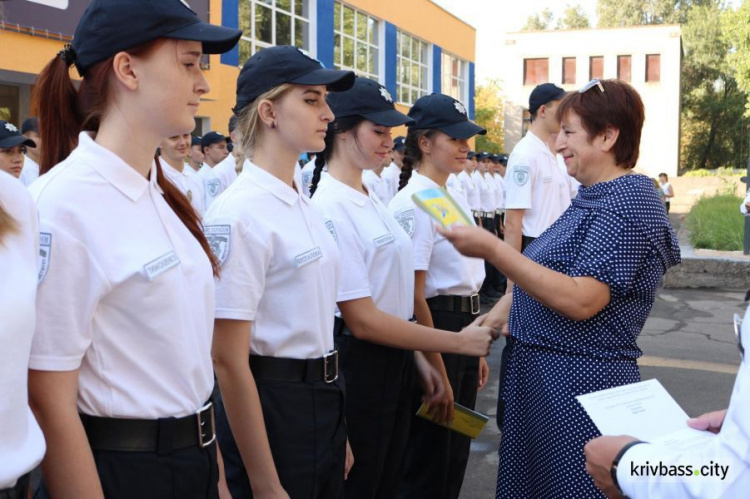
point(716, 223)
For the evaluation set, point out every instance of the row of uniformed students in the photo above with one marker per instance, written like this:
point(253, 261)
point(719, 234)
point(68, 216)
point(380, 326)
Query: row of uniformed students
point(129, 313)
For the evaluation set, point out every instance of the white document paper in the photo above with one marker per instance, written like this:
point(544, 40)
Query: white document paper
point(643, 410)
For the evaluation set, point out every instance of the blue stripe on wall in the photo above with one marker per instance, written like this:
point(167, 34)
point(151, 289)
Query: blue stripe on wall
point(437, 58)
point(325, 32)
point(471, 90)
point(391, 59)
point(230, 13)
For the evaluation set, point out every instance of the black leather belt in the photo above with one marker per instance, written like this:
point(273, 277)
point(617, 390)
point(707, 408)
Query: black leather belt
point(325, 368)
point(151, 435)
point(340, 329)
point(451, 303)
point(19, 491)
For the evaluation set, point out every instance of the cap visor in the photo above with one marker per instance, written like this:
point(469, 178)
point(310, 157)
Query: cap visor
point(16, 140)
point(389, 118)
point(215, 39)
point(463, 130)
point(336, 80)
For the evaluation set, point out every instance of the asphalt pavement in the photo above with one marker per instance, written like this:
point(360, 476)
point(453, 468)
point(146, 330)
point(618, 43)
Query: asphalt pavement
point(688, 345)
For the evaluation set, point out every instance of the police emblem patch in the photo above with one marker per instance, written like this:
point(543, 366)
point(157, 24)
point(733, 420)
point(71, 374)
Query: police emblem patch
point(521, 175)
point(386, 94)
point(212, 187)
point(460, 107)
point(11, 127)
point(407, 221)
point(218, 237)
point(45, 248)
point(332, 230)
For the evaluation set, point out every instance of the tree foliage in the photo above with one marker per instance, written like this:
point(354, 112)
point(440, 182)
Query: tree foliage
point(539, 21)
point(620, 13)
point(488, 107)
point(573, 17)
point(736, 31)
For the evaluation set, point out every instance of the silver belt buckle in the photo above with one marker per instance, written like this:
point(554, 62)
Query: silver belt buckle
point(328, 359)
point(475, 305)
point(202, 423)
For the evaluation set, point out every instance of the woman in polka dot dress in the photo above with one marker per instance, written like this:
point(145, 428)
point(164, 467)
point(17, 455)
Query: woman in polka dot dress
point(583, 291)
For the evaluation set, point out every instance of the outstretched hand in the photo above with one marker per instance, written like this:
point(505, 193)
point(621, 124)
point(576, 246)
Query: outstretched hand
point(470, 241)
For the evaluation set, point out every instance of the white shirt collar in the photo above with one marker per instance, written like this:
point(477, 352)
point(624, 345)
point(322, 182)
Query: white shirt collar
point(268, 182)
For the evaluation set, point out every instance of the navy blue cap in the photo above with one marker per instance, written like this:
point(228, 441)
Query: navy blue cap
point(370, 100)
point(543, 94)
point(11, 137)
point(471, 155)
point(212, 138)
point(274, 66)
point(483, 155)
point(503, 159)
point(30, 125)
point(444, 113)
point(195, 141)
point(111, 26)
point(399, 143)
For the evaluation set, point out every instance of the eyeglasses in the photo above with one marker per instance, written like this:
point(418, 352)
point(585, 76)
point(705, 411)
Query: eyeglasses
point(738, 334)
point(596, 82)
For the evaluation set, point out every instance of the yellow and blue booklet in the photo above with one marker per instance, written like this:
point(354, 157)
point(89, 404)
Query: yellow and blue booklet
point(441, 206)
point(465, 421)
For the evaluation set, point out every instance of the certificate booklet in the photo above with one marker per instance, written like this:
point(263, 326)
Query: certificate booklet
point(465, 421)
point(441, 206)
point(643, 410)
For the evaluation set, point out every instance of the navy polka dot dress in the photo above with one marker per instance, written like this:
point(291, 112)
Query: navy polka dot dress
point(617, 232)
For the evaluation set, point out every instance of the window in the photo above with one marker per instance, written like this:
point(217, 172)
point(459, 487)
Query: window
point(569, 71)
point(535, 71)
point(596, 67)
point(411, 68)
point(454, 77)
point(273, 22)
point(653, 68)
point(355, 41)
point(623, 67)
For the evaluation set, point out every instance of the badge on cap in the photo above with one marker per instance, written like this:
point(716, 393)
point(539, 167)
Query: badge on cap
point(386, 95)
point(407, 221)
point(460, 107)
point(521, 175)
point(45, 248)
point(218, 237)
point(10, 127)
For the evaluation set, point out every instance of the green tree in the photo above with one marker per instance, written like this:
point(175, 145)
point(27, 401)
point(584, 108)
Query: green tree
point(573, 17)
point(489, 114)
point(620, 13)
point(736, 30)
point(539, 22)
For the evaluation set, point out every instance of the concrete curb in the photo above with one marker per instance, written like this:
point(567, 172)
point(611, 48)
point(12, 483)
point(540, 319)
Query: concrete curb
point(703, 271)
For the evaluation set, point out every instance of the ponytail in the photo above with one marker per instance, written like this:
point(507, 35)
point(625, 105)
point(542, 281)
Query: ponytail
point(412, 154)
point(185, 212)
point(337, 126)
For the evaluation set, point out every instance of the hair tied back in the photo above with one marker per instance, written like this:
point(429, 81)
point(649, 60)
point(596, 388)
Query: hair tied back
point(67, 54)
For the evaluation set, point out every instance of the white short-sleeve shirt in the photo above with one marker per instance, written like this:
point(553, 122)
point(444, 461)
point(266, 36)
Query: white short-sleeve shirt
point(376, 254)
point(21, 441)
point(392, 174)
point(126, 292)
point(448, 272)
point(306, 177)
point(535, 183)
point(188, 183)
point(487, 192)
point(280, 266)
point(454, 183)
point(218, 178)
point(30, 171)
point(500, 190)
point(377, 185)
point(471, 191)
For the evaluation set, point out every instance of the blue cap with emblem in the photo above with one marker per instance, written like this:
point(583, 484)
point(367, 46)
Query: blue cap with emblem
point(111, 26)
point(274, 66)
point(212, 138)
point(544, 94)
point(11, 137)
point(399, 143)
point(444, 113)
point(370, 100)
point(195, 141)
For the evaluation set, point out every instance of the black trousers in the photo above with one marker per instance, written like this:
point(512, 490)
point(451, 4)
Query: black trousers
point(305, 427)
point(436, 457)
point(500, 416)
point(492, 275)
point(379, 382)
point(19, 491)
point(185, 473)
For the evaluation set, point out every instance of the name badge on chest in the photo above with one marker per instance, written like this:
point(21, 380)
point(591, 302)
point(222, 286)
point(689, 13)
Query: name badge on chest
point(157, 267)
point(383, 240)
point(308, 257)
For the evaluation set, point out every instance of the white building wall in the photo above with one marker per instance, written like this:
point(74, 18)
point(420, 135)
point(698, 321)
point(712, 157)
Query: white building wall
point(660, 141)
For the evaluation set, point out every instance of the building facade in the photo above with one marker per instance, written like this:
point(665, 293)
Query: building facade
point(413, 48)
point(647, 57)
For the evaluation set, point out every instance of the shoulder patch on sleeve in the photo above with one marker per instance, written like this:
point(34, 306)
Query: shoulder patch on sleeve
point(332, 229)
point(218, 237)
point(407, 220)
point(45, 249)
point(213, 186)
point(521, 175)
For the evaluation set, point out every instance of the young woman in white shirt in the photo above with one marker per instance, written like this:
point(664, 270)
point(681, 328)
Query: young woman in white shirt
point(120, 370)
point(445, 292)
point(374, 334)
point(283, 430)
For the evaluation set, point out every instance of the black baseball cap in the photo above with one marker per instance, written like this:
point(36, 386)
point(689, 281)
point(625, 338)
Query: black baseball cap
point(212, 138)
point(399, 143)
point(543, 94)
point(370, 100)
point(444, 113)
point(471, 155)
point(274, 66)
point(30, 125)
point(503, 159)
point(195, 141)
point(483, 155)
point(11, 137)
point(111, 26)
